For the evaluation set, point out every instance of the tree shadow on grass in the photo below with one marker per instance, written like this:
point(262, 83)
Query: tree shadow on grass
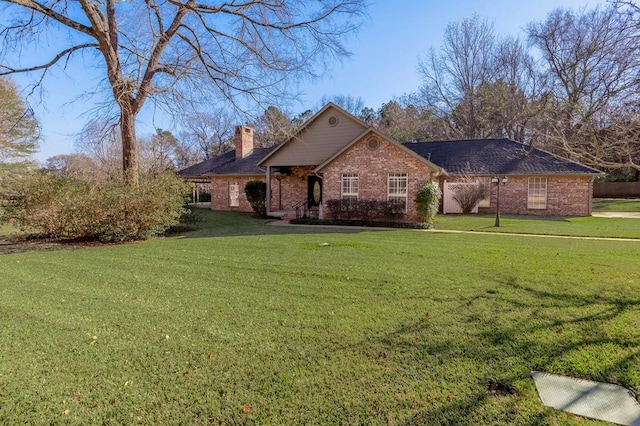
point(25, 244)
point(208, 224)
point(500, 337)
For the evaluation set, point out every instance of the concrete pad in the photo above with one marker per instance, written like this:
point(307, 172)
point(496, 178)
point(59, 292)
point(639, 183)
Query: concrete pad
point(628, 215)
point(602, 401)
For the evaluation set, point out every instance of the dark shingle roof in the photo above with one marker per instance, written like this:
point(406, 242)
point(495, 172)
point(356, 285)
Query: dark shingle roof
point(476, 157)
point(496, 156)
point(226, 164)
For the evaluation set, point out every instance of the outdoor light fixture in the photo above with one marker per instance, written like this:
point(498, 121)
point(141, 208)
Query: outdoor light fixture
point(495, 179)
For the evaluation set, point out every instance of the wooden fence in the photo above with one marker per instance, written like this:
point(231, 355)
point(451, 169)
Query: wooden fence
point(616, 190)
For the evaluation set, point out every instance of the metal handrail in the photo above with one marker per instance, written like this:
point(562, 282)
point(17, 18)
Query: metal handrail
point(301, 209)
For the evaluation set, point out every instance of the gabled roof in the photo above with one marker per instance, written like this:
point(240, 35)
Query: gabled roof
point(316, 140)
point(497, 156)
point(226, 164)
point(373, 131)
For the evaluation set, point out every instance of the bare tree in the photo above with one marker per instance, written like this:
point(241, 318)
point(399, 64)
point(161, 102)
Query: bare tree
point(351, 104)
point(592, 64)
point(453, 76)
point(159, 151)
point(405, 121)
point(100, 140)
point(178, 50)
point(272, 127)
point(479, 84)
point(79, 166)
point(208, 133)
point(301, 118)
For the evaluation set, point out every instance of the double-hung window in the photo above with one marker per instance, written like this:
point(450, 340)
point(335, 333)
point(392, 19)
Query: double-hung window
point(397, 189)
point(349, 191)
point(234, 194)
point(537, 197)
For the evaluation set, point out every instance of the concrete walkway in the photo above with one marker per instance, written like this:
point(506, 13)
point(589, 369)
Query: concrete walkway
point(629, 215)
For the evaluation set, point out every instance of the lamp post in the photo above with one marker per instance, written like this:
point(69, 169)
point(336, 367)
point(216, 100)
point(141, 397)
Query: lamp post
point(495, 179)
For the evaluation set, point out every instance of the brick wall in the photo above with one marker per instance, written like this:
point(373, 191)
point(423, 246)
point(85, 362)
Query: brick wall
point(287, 191)
point(220, 192)
point(373, 168)
point(243, 141)
point(566, 196)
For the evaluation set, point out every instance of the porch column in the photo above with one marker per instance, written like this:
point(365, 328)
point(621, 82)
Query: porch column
point(268, 200)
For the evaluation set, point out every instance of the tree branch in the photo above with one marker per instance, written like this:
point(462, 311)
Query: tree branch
point(59, 56)
point(50, 13)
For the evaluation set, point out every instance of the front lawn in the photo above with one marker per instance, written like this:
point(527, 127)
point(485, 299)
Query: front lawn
point(568, 226)
point(244, 323)
point(615, 205)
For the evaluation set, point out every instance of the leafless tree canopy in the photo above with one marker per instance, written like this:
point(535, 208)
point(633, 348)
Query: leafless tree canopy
point(79, 166)
point(241, 51)
point(351, 104)
point(272, 127)
point(208, 134)
point(473, 65)
point(592, 63)
point(580, 99)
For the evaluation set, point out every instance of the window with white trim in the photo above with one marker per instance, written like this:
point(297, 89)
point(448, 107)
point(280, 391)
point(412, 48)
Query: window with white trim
point(349, 191)
point(397, 189)
point(537, 198)
point(234, 194)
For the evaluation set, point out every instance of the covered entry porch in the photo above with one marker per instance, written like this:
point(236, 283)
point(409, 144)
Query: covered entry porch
point(293, 191)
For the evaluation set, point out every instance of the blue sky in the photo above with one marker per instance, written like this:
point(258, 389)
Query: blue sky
point(384, 63)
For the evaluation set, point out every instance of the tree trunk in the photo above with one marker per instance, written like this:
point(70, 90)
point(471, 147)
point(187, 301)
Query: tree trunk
point(130, 164)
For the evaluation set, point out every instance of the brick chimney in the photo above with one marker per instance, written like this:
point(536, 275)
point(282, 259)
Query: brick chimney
point(243, 141)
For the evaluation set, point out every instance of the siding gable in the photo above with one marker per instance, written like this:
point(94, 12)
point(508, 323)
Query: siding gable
point(318, 141)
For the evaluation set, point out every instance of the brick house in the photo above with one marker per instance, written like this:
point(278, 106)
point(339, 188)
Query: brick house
point(336, 156)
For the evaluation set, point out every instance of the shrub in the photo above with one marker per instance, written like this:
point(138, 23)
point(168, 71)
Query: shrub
point(256, 192)
point(63, 207)
point(363, 210)
point(428, 201)
point(468, 194)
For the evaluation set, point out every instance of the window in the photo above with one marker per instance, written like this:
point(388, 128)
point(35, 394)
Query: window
point(537, 198)
point(485, 182)
point(349, 187)
point(234, 195)
point(397, 189)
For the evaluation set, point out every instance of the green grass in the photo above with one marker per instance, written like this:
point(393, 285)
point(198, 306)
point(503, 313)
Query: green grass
point(243, 323)
point(566, 226)
point(615, 205)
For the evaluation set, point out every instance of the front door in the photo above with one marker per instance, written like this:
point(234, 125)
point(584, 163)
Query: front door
point(314, 191)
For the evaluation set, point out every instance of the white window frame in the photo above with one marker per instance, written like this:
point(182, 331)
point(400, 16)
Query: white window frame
point(537, 193)
point(349, 187)
point(397, 188)
point(234, 194)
